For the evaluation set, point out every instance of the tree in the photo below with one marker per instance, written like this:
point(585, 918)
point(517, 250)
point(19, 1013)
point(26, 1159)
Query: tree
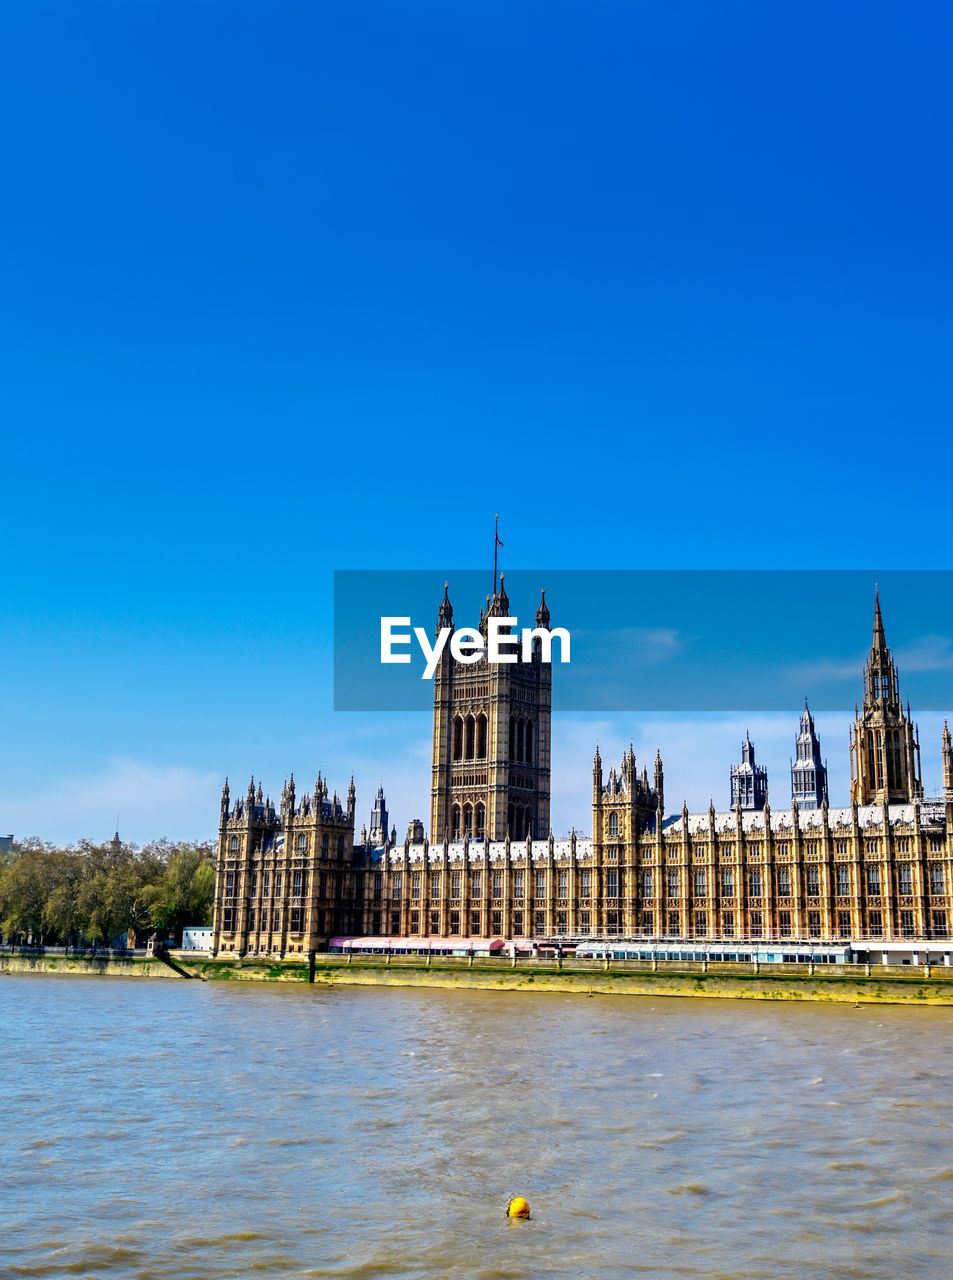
point(186, 892)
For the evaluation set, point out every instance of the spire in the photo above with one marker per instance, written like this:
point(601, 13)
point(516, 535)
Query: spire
point(808, 771)
point(445, 614)
point(749, 780)
point(542, 613)
point(880, 640)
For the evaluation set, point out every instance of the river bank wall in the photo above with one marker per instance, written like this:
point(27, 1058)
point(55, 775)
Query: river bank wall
point(845, 984)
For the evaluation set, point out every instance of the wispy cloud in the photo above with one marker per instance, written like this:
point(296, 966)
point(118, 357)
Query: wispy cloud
point(151, 801)
point(644, 646)
point(928, 653)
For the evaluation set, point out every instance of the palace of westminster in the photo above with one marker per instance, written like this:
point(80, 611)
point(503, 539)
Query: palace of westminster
point(291, 878)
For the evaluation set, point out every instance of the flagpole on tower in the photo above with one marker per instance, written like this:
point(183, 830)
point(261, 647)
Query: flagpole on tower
point(496, 543)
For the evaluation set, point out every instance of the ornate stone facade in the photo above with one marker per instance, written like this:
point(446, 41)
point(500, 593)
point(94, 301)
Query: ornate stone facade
point(286, 881)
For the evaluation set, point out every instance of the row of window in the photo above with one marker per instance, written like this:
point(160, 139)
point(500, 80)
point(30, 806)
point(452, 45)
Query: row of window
point(614, 882)
point(469, 738)
point(782, 848)
point(270, 919)
point(301, 845)
point(298, 880)
point(700, 924)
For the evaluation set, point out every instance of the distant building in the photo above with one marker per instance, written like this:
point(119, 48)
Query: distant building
point(197, 938)
point(808, 774)
point(749, 781)
point(6, 843)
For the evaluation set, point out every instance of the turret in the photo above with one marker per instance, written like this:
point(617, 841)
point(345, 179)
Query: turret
point(808, 773)
point(659, 779)
point(445, 612)
point(542, 613)
point(225, 798)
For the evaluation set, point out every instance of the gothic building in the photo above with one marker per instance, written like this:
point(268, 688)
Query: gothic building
point(291, 880)
point(808, 774)
point(749, 781)
point(491, 738)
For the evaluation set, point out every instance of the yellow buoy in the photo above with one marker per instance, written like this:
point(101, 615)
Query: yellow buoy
point(517, 1208)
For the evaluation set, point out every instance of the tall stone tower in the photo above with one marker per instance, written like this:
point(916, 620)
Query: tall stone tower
point(884, 744)
point(491, 738)
point(749, 781)
point(808, 773)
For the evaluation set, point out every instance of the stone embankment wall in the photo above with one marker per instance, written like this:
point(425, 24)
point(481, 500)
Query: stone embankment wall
point(88, 966)
point(849, 984)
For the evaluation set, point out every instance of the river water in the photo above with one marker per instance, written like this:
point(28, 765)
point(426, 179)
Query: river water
point(197, 1131)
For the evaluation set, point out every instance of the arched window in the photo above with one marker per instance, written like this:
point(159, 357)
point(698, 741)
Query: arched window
point(520, 727)
point(457, 738)
point(509, 821)
point(303, 843)
point(468, 820)
point(469, 751)
point(234, 844)
point(613, 824)
point(481, 818)
point(340, 846)
point(324, 846)
point(528, 753)
point(455, 822)
point(481, 737)
point(512, 737)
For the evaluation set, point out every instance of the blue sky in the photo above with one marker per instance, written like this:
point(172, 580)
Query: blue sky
point(303, 287)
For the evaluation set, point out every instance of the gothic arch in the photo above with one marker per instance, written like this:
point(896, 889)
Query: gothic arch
point(481, 736)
